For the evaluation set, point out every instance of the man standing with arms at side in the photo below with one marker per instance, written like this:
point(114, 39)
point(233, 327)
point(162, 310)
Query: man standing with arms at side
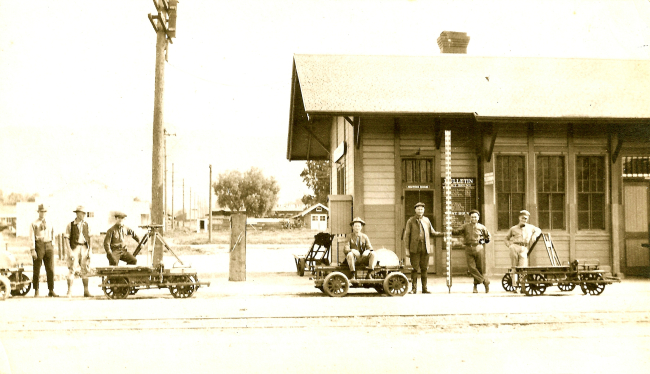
point(519, 239)
point(41, 236)
point(475, 235)
point(115, 245)
point(77, 235)
point(419, 246)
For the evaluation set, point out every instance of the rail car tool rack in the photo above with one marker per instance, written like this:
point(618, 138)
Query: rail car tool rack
point(534, 280)
point(318, 254)
point(118, 282)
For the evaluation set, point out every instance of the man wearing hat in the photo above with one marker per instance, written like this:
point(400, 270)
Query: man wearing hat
point(41, 236)
point(419, 246)
point(475, 235)
point(358, 249)
point(115, 242)
point(78, 241)
point(519, 239)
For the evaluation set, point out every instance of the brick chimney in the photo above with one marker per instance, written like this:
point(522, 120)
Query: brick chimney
point(453, 42)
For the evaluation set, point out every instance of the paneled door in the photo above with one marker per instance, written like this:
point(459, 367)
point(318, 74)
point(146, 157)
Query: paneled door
point(636, 260)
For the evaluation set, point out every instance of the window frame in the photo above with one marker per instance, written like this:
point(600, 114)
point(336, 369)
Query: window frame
point(565, 207)
point(605, 193)
point(524, 155)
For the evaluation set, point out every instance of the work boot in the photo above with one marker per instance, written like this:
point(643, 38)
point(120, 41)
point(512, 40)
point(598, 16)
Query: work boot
point(414, 287)
point(475, 288)
point(69, 294)
point(35, 292)
point(424, 285)
point(486, 283)
point(52, 294)
point(353, 275)
point(86, 292)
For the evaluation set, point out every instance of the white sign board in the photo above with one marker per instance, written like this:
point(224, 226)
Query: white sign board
point(488, 178)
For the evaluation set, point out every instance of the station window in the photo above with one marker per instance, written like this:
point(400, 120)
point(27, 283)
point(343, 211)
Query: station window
point(417, 170)
point(511, 189)
point(340, 180)
point(590, 184)
point(551, 192)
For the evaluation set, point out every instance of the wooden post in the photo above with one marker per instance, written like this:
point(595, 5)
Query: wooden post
point(237, 270)
point(210, 208)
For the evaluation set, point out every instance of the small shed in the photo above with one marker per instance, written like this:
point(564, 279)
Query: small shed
point(315, 217)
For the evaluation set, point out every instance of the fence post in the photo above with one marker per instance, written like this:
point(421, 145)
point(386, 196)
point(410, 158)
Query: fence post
point(237, 270)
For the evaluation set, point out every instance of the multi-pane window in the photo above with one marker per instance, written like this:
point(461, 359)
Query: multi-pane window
point(511, 186)
point(417, 170)
point(551, 192)
point(340, 180)
point(590, 184)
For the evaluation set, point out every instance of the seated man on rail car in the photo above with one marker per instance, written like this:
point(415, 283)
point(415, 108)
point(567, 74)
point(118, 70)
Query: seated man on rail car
point(358, 250)
point(115, 244)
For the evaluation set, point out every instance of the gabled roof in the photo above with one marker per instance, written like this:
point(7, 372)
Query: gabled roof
point(308, 210)
point(450, 84)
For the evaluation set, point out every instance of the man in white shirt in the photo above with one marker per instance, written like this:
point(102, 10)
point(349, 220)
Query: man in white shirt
point(41, 237)
point(519, 239)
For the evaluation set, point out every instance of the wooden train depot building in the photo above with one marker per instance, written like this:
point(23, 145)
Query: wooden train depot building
point(566, 139)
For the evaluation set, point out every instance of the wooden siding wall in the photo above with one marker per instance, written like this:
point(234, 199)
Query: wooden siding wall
point(554, 139)
point(379, 181)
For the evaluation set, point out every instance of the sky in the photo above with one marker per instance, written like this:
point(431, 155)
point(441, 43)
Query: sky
point(77, 77)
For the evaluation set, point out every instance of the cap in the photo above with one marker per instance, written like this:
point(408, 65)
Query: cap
point(120, 215)
point(357, 219)
point(80, 208)
point(418, 204)
point(42, 208)
point(474, 211)
point(524, 213)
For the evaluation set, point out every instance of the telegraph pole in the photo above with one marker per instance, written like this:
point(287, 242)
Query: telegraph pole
point(173, 214)
point(166, 134)
point(210, 208)
point(184, 202)
point(164, 23)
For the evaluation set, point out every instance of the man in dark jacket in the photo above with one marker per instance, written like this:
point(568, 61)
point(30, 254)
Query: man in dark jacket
point(475, 235)
point(79, 246)
point(115, 242)
point(419, 246)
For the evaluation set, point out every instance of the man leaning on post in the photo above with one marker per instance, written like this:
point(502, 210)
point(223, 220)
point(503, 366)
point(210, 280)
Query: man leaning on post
point(115, 245)
point(475, 235)
point(419, 246)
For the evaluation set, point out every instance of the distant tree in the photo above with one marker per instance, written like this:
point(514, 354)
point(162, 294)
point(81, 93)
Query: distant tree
point(15, 198)
point(316, 176)
point(251, 190)
point(228, 190)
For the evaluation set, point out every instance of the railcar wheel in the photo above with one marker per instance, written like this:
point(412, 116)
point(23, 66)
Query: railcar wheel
point(336, 284)
point(566, 287)
point(25, 288)
point(534, 289)
point(396, 284)
point(118, 287)
point(506, 282)
point(592, 288)
point(183, 291)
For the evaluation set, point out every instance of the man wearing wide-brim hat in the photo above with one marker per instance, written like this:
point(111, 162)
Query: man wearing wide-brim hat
point(358, 250)
point(41, 237)
point(418, 246)
point(79, 246)
point(519, 239)
point(115, 242)
point(475, 237)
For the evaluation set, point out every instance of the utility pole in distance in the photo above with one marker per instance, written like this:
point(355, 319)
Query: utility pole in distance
point(173, 214)
point(210, 209)
point(164, 23)
point(166, 134)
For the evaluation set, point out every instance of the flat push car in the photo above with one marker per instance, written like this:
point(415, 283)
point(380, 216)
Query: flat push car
point(534, 280)
point(334, 280)
point(118, 282)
